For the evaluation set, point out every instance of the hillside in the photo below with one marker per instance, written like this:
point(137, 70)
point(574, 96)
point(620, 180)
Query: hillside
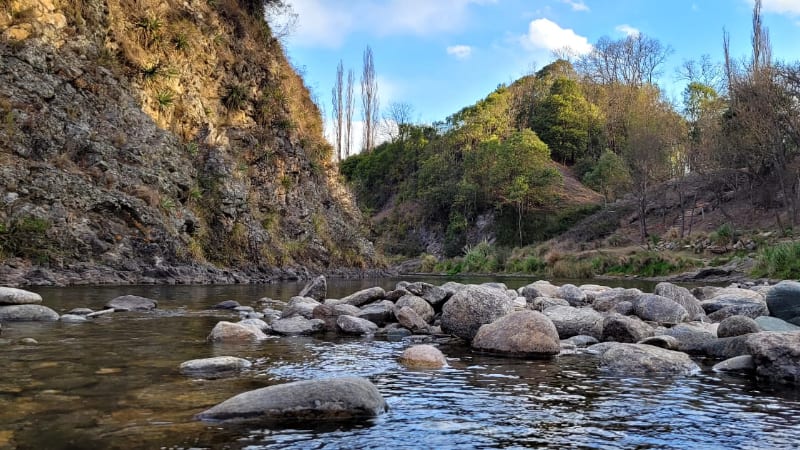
point(161, 141)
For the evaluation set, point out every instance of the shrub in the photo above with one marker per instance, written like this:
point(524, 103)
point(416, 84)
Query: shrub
point(235, 97)
point(165, 99)
point(778, 261)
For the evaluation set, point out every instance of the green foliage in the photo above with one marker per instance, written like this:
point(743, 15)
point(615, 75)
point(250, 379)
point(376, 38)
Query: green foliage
point(480, 258)
point(646, 264)
point(150, 28)
point(180, 41)
point(610, 176)
point(165, 99)
point(780, 261)
point(27, 238)
point(235, 97)
point(723, 235)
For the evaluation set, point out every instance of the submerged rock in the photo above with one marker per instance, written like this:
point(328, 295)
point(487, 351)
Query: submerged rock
point(132, 303)
point(214, 367)
point(227, 304)
point(13, 296)
point(423, 357)
point(344, 398)
point(523, 334)
point(72, 318)
point(640, 359)
point(27, 313)
point(472, 307)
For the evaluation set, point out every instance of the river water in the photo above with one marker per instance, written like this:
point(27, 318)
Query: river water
point(114, 384)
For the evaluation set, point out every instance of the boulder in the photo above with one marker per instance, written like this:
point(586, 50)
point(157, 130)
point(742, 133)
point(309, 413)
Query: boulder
point(619, 328)
point(523, 334)
point(345, 398)
point(316, 289)
point(724, 348)
point(235, 332)
point(542, 303)
point(396, 294)
point(624, 308)
point(451, 287)
point(258, 323)
point(397, 334)
point(581, 340)
point(423, 357)
point(329, 313)
point(27, 313)
point(572, 294)
point(213, 367)
point(13, 296)
point(540, 288)
point(363, 297)
point(409, 319)
point(640, 359)
point(710, 292)
point(740, 364)
point(80, 311)
point(354, 325)
point(608, 300)
point(380, 313)
point(662, 341)
point(776, 356)
point(655, 308)
point(132, 303)
point(472, 307)
point(432, 294)
point(423, 309)
point(227, 304)
point(690, 339)
point(571, 321)
point(719, 302)
point(766, 323)
point(751, 310)
point(783, 301)
point(599, 349)
point(737, 326)
point(297, 326)
point(73, 318)
point(300, 306)
point(683, 297)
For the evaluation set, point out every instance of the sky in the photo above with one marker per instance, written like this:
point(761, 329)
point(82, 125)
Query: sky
point(439, 56)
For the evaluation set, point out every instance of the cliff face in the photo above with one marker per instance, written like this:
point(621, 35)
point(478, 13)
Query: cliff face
point(171, 140)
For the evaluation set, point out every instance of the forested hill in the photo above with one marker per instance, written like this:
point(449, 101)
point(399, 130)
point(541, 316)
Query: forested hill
point(513, 169)
point(161, 140)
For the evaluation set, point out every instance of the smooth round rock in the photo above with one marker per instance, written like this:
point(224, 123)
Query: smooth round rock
point(621, 328)
point(14, 296)
point(655, 308)
point(346, 398)
point(235, 332)
point(73, 318)
point(737, 326)
point(742, 364)
point(423, 309)
point(423, 357)
point(767, 323)
point(783, 301)
point(213, 366)
point(132, 303)
point(472, 307)
point(227, 304)
point(571, 321)
point(521, 334)
point(27, 313)
point(640, 359)
point(354, 325)
point(364, 297)
point(297, 326)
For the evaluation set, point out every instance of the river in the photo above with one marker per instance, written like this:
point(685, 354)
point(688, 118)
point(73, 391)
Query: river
point(114, 383)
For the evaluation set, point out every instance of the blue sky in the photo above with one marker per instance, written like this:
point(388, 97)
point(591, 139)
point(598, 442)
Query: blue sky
point(441, 55)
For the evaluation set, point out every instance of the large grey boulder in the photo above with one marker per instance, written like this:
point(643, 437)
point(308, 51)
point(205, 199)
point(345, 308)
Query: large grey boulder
point(655, 308)
point(619, 328)
point(640, 359)
point(423, 309)
point(329, 313)
point(451, 287)
point(776, 356)
point(132, 303)
point(523, 334)
point(683, 297)
point(300, 306)
point(691, 339)
point(767, 323)
point(737, 326)
point(27, 313)
point(316, 289)
point(571, 321)
point(297, 326)
point(542, 303)
point(572, 294)
point(344, 398)
point(365, 296)
point(213, 367)
point(540, 288)
point(13, 296)
point(423, 356)
point(608, 300)
point(783, 301)
point(472, 307)
point(411, 320)
point(736, 303)
point(380, 313)
point(225, 331)
point(432, 294)
point(354, 325)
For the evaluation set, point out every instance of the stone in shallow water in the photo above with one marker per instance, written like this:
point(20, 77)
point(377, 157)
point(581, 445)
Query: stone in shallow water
point(423, 357)
point(354, 325)
point(345, 398)
point(472, 307)
point(524, 334)
point(217, 366)
point(72, 318)
point(640, 359)
point(227, 304)
point(235, 332)
point(27, 313)
point(743, 363)
point(14, 296)
point(783, 301)
point(132, 303)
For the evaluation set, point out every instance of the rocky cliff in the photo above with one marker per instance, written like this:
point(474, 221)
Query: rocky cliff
point(161, 141)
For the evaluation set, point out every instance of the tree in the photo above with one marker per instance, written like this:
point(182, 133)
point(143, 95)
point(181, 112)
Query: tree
point(635, 60)
point(348, 112)
point(397, 121)
point(369, 101)
point(338, 109)
point(609, 176)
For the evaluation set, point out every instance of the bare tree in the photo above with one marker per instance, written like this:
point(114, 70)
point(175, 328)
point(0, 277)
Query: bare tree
point(348, 111)
point(396, 121)
point(338, 109)
point(635, 60)
point(369, 101)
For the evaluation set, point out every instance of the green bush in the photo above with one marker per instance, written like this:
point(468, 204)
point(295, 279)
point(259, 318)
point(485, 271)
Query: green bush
point(778, 261)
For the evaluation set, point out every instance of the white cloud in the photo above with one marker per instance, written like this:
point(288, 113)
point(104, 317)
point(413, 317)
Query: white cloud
point(627, 30)
point(548, 35)
point(577, 5)
point(327, 23)
point(788, 7)
point(460, 51)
